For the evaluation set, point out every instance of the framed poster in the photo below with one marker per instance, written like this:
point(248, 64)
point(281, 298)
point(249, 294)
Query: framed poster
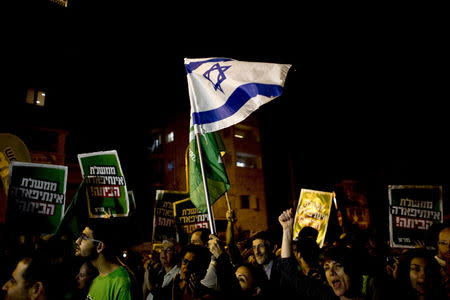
point(412, 210)
point(313, 210)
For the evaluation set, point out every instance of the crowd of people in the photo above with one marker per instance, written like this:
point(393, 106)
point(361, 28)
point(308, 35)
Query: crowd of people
point(94, 266)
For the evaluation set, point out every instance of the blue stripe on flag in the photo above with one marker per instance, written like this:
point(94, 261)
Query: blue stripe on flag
point(194, 65)
point(236, 100)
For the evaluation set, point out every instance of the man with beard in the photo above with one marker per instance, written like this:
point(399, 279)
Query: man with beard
point(96, 244)
point(443, 255)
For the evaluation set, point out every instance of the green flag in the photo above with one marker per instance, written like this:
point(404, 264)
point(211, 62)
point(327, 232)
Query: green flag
point(215, 173)
point(75, 216)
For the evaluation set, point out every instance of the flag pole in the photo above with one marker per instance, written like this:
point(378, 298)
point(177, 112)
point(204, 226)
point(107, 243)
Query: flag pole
point(212, 224)
point(228, 201)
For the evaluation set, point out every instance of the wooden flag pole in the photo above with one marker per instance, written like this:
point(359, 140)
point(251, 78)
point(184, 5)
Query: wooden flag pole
point(228, 201)
point(212, 224)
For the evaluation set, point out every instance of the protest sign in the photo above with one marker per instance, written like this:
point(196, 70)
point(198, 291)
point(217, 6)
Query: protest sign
point(188, 218)
point(36, 198)
point(412, 210)
point(313, 210)
point(106, 189)
point(163, 215)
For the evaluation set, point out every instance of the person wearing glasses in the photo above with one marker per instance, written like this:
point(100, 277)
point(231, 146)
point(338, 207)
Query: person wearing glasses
point(187, 285)
point(443, 255)
point(97, 244)
point(168, 257)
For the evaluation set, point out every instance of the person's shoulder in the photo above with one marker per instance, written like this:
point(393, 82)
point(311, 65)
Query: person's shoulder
point(120, 274)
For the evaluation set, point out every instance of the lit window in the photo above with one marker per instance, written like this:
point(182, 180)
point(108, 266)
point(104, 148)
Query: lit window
point(247, 160)
point(170, 166)
point(170, 137)
point(240, 164)
point(35, 97)
point(156, 144)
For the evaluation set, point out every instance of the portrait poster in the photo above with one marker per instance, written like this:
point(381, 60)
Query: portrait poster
point(106, 189)
point(188, 218)
point(313, 210)
point(163, 215)
point(36, 198)
point(412, 210)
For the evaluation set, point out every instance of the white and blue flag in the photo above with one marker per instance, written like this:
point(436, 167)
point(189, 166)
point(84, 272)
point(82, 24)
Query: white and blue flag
point(224, 91)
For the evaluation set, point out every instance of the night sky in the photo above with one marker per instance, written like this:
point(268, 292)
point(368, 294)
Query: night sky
point(365, 99)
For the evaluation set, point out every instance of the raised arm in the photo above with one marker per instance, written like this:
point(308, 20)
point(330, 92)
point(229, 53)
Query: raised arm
point(286, 220)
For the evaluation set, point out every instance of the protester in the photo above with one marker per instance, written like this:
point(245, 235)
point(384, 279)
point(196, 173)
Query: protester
point(200, 236)
point(155, 281)
point(97, 244)
point(418, 277)
point(186, 284)
point(303, 286)
point(307, 254)
point(263, 246)
point(83, 280)
point(443, 255)
point(252, 281)
point(343, 272)
point(36, 277)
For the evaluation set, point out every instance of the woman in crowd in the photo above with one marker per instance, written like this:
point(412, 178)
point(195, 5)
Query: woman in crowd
point(341, 271)
point(418, 276)
point(84, 278)
point(252, 281)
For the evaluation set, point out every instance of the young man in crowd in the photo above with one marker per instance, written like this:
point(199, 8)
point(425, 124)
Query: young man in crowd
point(36, 277)
point(97, 244)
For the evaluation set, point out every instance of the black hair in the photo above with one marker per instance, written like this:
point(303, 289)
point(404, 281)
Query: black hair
point(308, 232)
point(204, 234)
point(309, 250)
point(433, 285)
point(110, 233)
point(264, 235)
point(47, 270)
point(258, 274)
point(202, 258)
point(348, 258)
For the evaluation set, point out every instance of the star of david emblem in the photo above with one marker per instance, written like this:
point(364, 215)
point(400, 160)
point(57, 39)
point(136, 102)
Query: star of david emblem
point(218, 71)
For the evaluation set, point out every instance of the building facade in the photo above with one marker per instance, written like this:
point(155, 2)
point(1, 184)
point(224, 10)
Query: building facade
point(166, 164)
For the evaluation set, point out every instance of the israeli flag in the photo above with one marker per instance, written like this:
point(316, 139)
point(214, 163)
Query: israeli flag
point(223, 91)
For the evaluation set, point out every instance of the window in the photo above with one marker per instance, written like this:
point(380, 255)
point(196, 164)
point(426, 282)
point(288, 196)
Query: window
point(249, 202)
point(245, 201)
point(170, 137)
point(246, 160)
point(246, 133)
point(35, 97)
point(155, 143)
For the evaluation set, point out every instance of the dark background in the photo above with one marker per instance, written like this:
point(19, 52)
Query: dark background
point(365, 99)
